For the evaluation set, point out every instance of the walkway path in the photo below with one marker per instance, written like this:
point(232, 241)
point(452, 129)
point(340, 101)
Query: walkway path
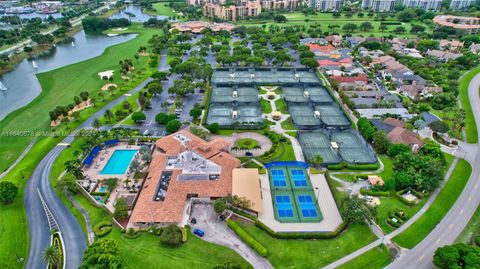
point(217, 232)
point(277, 127)
point(71, 230)
point(457, 217)
point(18, 159)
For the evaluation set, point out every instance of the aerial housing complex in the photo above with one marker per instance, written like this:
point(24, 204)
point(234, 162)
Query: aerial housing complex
point(463, 25)
point(239, 9)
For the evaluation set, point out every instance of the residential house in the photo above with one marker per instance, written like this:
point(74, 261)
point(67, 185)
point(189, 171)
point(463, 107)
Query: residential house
point(397, 133)
point(450, 45)
point(335, 40)
point(443, 56)
point(475, 48)
point(353, 41)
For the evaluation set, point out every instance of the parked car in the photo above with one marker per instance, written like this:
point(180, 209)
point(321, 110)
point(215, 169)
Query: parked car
point(198, 232)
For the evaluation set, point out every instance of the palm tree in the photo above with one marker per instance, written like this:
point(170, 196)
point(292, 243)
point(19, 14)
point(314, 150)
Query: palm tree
point(317, 161)
point(96, 124)
point(108, 115)
point(51, 255)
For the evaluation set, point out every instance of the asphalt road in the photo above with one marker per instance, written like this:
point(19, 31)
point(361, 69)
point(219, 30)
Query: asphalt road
point(73, 237)
point(458, 216)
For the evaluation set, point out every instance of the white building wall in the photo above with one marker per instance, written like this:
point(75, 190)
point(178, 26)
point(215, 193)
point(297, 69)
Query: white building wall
point(461, 4)
point(379, 5)
point(326, 5)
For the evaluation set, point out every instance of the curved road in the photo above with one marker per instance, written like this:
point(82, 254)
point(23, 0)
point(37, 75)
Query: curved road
point(71, 230)
point(447, 231)
point(450, 227)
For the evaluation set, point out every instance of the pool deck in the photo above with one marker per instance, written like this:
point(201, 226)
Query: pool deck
point(326, 203)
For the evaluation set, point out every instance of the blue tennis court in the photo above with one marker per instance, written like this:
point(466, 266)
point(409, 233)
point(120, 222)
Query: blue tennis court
point(307, 206)
point(278, 178)
point(284, 206)
point(298, 177)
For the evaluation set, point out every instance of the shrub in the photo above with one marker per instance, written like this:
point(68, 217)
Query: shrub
point(374, 193)
point(102, 228)
point(477, 240)
point(245, 237)
point(171, 235)
point(219, 206)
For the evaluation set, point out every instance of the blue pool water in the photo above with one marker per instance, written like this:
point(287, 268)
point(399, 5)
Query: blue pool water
point(119, 162)
point(102, 189)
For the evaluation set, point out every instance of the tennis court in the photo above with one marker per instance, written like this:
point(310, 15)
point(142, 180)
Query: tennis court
point(298, 178)
point(293, 196)
point(231, 94)
point(279, 178)
point(318, 143)
point(303, 116)
point(332, 116)
point(352, 148)
point(319, 95)
point(220, 113)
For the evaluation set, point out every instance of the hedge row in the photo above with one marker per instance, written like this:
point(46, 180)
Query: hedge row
point(102, 228)
point(360, 167)
point(301, 235)
point(402, 199)
point(374, 193)
point(250, 241)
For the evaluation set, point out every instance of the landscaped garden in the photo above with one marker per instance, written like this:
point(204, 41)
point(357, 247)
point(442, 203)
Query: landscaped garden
point(438, 209)
point(247, 143)
point(35, 117)
point(290, 253)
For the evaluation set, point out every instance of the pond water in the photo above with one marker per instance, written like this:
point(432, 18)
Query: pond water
point(22, 84)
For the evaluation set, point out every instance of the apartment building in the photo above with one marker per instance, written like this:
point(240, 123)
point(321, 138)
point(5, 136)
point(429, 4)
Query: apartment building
point(461, 4)
point(279, 4)
point(326, 5)
point(231, 12)
point(379, 5)
point(433, 5)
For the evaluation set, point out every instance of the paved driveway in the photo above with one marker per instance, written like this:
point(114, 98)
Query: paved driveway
point(217, 232)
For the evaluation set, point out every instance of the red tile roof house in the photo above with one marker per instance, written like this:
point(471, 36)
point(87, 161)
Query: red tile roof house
point(401, 135)
point(198, 169)
point(346, 62)
point(355, 82)
point(321, 50)
point(335, 40)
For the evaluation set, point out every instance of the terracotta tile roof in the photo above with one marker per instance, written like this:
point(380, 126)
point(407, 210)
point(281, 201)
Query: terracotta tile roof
point(147, 210)
point(394, 122)
point(342, 79)
point(400, 135)
point(328, 63)
point(464, 22)
point(323, 48)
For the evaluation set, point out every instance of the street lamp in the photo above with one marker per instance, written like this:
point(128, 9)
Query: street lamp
point(318, 193)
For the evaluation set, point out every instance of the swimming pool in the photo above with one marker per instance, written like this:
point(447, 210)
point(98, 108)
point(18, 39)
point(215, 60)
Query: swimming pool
point(119, 162)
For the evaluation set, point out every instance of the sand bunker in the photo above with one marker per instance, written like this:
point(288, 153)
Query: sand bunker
point(107, 86)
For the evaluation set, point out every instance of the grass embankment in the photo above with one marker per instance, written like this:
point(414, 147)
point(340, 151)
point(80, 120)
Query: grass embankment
point(266, 106)
point(162, 9)
point(471, 230)
point(146, 250)
point(470, 125)
point(310, 253)
point(439, 208)
point(375, 258)
point(390, 203)
point(132, 100)
point(326, 19)
point(59, 87)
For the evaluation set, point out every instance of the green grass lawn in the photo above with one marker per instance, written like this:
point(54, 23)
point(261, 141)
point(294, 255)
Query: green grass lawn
point(132, 100)
point(59, 86)
point(325, 19)
point(375, 258)
point(146, 252)
point(310, 253)
point(281, 106)
point(246, 143)
point(470, 126)
point(471, 230)
point(288, 124)
point(389, 203)
point(266, 106)
point(164, 10)
point(440, 206)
